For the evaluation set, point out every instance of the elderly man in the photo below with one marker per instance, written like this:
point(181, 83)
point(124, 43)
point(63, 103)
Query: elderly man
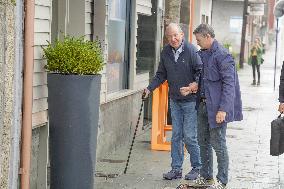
point(219, 102)
point(181, 66)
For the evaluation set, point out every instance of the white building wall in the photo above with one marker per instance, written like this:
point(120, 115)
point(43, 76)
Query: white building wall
point(89, 13)
point(144, 7)
point(201, 7)
point(223, 11)
point(42, 30)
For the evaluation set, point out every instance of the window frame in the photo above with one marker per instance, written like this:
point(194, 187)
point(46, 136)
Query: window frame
point(127, 43)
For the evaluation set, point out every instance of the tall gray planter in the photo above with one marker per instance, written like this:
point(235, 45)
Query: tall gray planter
point(73, 109)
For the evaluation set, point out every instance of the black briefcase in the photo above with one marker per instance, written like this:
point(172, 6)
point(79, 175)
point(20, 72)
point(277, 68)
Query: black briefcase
point(277, 136)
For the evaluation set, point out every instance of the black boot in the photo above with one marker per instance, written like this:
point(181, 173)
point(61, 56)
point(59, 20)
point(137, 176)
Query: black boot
point(253, 82)
point(258, 83)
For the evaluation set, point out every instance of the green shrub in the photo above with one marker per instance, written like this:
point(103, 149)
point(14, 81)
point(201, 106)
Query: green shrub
point(7, 2)
point(74, 56)
point(238, 66)
point(227, 45)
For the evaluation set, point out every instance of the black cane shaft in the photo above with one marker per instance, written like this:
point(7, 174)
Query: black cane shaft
point(134, 135)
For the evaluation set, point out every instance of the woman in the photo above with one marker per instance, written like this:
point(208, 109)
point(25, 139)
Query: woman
point(255, 59)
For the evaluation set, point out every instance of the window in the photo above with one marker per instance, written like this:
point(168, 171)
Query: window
point(145, 44)
point(236, 23)
point(204, 19)
point(118, 42)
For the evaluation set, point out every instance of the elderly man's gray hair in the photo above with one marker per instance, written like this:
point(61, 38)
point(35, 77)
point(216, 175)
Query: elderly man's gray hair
point(204, 29)
point(174, 25)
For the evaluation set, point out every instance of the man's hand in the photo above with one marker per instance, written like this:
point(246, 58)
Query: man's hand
point(146, 93)
point(192, 88)
point(281, 108)
point(220, 117)
point(185, 91)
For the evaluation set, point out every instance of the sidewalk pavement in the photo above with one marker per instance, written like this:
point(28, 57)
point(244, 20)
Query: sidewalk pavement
point(251, 166)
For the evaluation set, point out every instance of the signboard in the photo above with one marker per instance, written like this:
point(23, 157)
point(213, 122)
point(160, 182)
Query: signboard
point(256, 9)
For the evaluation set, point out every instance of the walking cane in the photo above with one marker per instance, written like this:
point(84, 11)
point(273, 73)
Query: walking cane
point(135, 131)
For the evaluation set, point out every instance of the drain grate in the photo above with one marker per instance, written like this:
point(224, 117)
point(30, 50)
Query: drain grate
point(111, 160)
point(249, 109)
point(231, 136)
point(106, 176)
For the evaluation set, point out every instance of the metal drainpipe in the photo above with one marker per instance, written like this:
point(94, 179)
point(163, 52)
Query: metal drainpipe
point(28, 94)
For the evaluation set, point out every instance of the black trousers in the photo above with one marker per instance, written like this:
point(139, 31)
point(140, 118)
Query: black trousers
point(255, 66)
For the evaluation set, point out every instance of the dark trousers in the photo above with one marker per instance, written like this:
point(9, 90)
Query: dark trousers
point(255, 66)
point(209, 139)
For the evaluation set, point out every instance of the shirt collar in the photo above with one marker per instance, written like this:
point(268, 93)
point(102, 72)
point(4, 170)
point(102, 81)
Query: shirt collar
point(213, 46)
point(211, 49)
point(180, 49)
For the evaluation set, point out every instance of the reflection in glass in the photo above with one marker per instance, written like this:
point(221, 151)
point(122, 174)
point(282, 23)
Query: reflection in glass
point(116, 45)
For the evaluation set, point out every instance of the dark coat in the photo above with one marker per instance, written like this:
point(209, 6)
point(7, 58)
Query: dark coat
point(281, 86)
point(221, 84)
point(179, 74)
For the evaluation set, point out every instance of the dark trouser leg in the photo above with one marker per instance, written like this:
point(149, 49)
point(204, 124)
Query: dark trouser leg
point(253, 72)
point(218, 142)
point(254, 65)
point(258, 73)
point(206, 152)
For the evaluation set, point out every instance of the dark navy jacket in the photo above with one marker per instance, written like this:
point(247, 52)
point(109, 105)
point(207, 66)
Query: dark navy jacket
point(179, 74)
point(221, 84)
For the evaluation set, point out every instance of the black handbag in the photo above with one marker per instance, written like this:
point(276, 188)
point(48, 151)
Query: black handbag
point(277, 136)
